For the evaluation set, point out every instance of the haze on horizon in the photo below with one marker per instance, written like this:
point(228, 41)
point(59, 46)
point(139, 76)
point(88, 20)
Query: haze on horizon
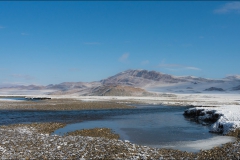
point(53, 42)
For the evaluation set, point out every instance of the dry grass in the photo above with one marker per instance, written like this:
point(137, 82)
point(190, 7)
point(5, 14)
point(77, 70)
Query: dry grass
point(235, 133)
point(95, 132)
point(60, 104)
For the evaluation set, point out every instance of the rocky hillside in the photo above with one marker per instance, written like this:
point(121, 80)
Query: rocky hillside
point(110, 90)
point(140, 78)
point(106, 90)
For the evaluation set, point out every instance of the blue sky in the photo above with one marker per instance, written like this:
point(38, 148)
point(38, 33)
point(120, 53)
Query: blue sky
point(53, 42)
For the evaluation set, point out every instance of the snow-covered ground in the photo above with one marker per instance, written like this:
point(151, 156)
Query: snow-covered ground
point(166, 99)
point(228, 117)
point(195, 87)
point(176, 99)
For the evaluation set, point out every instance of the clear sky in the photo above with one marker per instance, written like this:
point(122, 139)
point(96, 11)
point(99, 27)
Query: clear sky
point(53, 42)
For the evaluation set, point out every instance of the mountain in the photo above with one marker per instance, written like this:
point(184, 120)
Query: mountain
point(138, 83)
point(140, 78)
point(233, 77)
point(148, 78)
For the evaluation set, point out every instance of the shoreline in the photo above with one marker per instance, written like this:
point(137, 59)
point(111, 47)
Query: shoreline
point(34, 141)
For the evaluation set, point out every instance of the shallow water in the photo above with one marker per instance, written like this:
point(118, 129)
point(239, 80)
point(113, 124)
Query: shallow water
point(156, 126)
point(13, 99)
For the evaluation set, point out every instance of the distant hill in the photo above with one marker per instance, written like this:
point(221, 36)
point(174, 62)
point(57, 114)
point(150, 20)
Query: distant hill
point(22, 87)
point(237, 88)
point(214, 89)
point(137, 83)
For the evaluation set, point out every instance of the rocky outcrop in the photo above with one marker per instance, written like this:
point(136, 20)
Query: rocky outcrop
point(223, 120)
point(202, 115)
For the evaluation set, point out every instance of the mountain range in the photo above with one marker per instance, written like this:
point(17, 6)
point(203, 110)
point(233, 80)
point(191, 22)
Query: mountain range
point(139, 83)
